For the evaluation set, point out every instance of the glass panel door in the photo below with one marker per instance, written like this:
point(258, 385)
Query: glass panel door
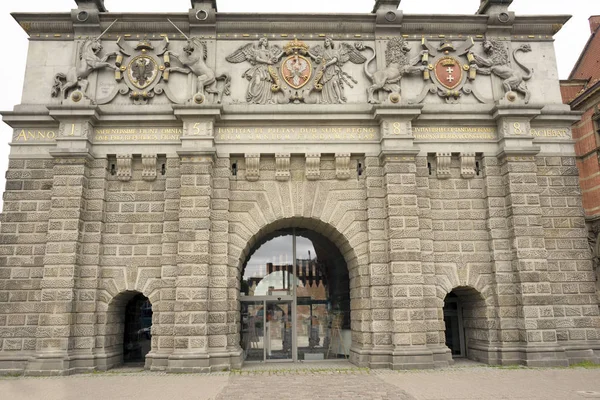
point(253, 330)
point(278, 332)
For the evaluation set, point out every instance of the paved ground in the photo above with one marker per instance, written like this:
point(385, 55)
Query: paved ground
point(315, 381)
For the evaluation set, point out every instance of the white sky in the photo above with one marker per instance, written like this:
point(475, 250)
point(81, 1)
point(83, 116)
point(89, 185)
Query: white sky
point(569, 41)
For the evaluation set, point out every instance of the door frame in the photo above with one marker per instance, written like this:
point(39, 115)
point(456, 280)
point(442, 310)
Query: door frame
point(275, 299)
point(461, 329)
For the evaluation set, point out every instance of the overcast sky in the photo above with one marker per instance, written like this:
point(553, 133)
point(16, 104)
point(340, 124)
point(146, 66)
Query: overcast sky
point(569, 42)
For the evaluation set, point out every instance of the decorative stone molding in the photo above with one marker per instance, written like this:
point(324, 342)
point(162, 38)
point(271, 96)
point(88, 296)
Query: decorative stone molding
point(282, 166)
point(313, 166)
point(443, 161)
point(149, 167)
point(252, 167)
point(467, 165)
point(124, 167)
point(342, 166)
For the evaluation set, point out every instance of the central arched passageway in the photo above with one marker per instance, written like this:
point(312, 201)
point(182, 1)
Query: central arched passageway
point(295, 298)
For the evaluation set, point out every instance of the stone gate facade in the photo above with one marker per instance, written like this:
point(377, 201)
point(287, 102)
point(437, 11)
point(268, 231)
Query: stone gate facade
point(152, 151)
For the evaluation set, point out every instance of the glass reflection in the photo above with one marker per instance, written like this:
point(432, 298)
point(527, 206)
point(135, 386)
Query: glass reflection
point(322, 293)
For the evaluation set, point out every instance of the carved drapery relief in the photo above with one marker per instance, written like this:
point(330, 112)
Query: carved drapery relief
point(467, 165)
point(124, 167)
point(313, 166)
point(342, 166)
point(331, 78)
point(262, 76)
point(252, 167)
point(443, 161)
point(497, 62)
point(282, 167)
point(303, 71)
point(149, 167)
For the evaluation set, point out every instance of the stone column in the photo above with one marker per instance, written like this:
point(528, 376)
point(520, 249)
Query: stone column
point(66, 331)
point(529, 258)
point(201, 287)
point(405, 294)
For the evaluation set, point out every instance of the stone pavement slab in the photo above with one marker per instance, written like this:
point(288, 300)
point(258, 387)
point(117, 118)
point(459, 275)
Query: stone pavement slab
point(315, 381)
point(489, 383)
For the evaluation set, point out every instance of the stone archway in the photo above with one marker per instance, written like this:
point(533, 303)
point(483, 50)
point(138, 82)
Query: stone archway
point(319, 229)
point(126, 329)
point(468, 325)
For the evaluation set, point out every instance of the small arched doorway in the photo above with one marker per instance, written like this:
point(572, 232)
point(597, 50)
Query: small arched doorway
point(465, 321)
point(295, 298)
point(137, 330)
point(129, 323)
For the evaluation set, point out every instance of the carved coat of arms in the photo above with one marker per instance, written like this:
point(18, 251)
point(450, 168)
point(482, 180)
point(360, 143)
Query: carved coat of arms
point(309, 74)
point(448, 72)
point(143, 71)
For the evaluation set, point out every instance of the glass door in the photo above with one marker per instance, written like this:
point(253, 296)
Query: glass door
point(253, 330)
point(278, 331)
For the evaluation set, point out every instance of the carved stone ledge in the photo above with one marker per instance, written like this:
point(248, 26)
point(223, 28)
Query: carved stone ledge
point(149, 167)
point(443, 161)
point(342, 166)
point(467, 165)
point(313, 166)
point(252, 167)
point(124, 167)
point(282, 167)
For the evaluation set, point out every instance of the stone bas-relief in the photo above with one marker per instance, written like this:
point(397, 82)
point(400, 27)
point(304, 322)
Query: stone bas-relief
point(297, 70)
point(497, 62)
point(397, 65)
point(87, 61)
point(217, 131)
point(262, 77)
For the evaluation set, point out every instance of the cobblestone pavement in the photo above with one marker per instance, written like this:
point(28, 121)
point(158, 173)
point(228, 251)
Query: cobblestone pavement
point(315, 381)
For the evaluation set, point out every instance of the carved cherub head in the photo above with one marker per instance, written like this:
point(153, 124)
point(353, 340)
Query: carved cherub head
point(263, 42)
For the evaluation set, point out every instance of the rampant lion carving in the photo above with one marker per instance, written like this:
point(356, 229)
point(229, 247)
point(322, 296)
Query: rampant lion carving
point(87, 62)
point(194, 60)
point(398, 65)
point(498, 64)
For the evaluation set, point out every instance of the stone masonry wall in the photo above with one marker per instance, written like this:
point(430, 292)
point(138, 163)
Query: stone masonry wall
point(570, 277)
point(461, 245)
point(23, 236)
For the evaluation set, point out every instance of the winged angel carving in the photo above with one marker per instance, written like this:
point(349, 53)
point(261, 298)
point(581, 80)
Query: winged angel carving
point(331, 78)
point(262, 75)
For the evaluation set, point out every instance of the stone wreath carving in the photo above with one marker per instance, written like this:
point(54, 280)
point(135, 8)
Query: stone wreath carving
point(87, 62)
point(498, 63)
point(397, 65)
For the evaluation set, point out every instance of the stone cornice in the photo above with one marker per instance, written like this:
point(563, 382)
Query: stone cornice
point(58, 25)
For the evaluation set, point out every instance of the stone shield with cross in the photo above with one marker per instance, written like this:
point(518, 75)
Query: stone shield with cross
point(449, 72)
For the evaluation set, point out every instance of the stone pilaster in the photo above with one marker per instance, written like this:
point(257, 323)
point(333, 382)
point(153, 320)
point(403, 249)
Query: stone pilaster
point(66, 331)
point(201, 287)
point(528, 255)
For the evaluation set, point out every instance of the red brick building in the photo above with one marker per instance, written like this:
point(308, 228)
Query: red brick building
point(582, 92)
